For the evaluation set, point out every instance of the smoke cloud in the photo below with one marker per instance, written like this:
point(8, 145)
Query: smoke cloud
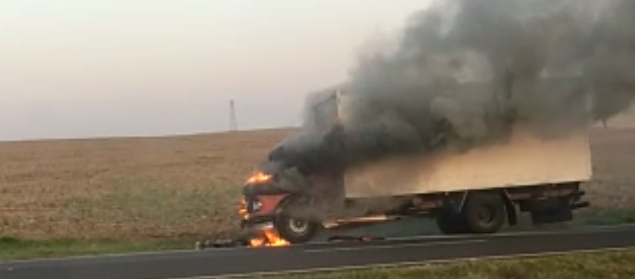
point(464, 74)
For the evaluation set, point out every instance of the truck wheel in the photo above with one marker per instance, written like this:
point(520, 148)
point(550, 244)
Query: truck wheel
point(294, 229)
point(484, 213)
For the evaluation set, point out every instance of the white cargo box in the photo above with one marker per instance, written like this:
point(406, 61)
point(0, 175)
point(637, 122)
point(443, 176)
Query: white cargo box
point(523, 161)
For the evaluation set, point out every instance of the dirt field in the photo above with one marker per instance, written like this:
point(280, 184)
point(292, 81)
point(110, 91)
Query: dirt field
point(185, 186)
point(127, 187)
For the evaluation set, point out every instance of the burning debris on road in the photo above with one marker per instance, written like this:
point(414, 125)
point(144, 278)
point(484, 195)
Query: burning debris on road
point(269, 237)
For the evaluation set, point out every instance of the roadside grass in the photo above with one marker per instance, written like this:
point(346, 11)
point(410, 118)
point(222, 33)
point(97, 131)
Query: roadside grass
point(611, 217)
point(596, 265)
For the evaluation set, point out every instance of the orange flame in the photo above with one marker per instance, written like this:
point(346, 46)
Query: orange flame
point(258, 178)
point(243, 211)
point(269, 238)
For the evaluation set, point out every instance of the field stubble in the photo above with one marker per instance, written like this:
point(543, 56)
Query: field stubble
point(186, 186)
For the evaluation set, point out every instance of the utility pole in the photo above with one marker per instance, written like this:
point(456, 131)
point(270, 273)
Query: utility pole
point(232, 119)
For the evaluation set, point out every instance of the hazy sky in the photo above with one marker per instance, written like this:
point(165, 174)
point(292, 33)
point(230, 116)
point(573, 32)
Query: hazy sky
point(88, 68)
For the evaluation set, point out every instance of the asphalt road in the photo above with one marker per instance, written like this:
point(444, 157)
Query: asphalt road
point(248, 261)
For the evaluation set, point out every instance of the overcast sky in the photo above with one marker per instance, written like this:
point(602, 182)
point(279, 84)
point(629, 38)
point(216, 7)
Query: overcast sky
point(88, 68)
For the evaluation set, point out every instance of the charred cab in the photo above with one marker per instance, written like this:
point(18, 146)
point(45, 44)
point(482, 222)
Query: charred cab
point(261, 197)
point(268, 206)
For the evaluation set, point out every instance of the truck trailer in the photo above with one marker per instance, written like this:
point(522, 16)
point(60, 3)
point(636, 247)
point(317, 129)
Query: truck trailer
point(473, 192)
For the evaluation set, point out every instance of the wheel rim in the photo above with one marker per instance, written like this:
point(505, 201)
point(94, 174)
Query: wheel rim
point(486, 215)
point(298, 226)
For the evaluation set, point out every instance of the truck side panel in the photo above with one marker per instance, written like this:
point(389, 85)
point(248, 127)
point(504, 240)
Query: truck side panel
point(523, 161)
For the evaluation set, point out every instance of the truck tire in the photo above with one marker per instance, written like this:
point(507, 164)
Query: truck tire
point(484, 213)
point(295, 230)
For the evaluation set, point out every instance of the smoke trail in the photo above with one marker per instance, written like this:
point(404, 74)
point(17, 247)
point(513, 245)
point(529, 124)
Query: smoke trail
point(465, 73)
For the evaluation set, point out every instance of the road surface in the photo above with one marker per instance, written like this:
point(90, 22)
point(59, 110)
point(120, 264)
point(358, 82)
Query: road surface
point(313, 257)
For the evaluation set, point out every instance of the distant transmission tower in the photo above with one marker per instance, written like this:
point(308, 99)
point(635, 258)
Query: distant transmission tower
point(232, 119)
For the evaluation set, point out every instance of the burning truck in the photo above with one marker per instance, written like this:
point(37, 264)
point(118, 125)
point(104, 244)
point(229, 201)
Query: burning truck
point(473, 191)
point(480, 112)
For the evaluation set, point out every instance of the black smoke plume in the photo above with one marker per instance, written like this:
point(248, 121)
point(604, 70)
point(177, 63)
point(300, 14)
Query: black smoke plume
point(464, 74)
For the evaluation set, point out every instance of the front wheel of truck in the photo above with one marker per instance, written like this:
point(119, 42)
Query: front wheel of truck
point(294, 229)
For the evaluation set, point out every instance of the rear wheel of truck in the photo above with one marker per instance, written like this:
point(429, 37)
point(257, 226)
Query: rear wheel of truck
point(294, 229)
point(484, 213)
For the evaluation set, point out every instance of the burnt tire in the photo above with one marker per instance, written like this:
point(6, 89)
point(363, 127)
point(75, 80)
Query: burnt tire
point(484, 213)
point(292, 228)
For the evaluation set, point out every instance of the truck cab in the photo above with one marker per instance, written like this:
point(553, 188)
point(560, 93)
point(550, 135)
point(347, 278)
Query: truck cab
point(292, 209)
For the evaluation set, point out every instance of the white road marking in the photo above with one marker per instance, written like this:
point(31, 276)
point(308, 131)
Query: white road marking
point(589, 229)
point(395, 246)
